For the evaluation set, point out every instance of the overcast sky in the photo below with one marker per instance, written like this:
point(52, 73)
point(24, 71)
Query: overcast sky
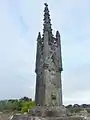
point(20, 22)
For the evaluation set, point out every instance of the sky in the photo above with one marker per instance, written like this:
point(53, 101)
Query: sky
point(20, 22)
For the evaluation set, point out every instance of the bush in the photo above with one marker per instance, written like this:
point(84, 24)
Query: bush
point(22, 104)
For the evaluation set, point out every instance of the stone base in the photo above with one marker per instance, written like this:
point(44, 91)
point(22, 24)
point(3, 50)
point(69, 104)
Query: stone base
point(56, 118)
point(28, 117)
point(49, 111)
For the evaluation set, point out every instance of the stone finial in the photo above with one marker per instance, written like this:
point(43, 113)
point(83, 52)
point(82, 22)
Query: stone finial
point(46, 8)
point(47, 20)
point(45, 4)
point(57, 34)
point(39, 36)
point(58, 38)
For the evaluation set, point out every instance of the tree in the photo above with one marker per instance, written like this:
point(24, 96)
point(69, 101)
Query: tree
point(76, 106)
point(69, 106)
point(27, 105)
point(26, 99)
point(22, 104)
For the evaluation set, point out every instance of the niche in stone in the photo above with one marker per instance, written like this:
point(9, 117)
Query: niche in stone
point(53, 97)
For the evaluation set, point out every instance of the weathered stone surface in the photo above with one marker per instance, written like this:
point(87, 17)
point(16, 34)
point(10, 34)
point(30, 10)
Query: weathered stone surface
point(20, 117)
point(50, 111)
point(48, 66)
point(28, 117)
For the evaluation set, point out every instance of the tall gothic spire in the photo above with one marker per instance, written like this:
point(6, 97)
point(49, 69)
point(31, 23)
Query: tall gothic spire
point(47, 20)
point(48, 61)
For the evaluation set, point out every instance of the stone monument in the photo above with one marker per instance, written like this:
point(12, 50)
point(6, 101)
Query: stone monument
point(48, 66)
point(48, 70)
point(48, 96)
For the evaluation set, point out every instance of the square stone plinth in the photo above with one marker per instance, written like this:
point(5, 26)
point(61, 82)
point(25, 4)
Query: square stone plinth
point(50, 111)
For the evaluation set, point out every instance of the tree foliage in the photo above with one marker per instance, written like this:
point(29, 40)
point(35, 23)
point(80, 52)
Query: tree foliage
point(21, 105)
point(77, 108)
point(25, 103)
